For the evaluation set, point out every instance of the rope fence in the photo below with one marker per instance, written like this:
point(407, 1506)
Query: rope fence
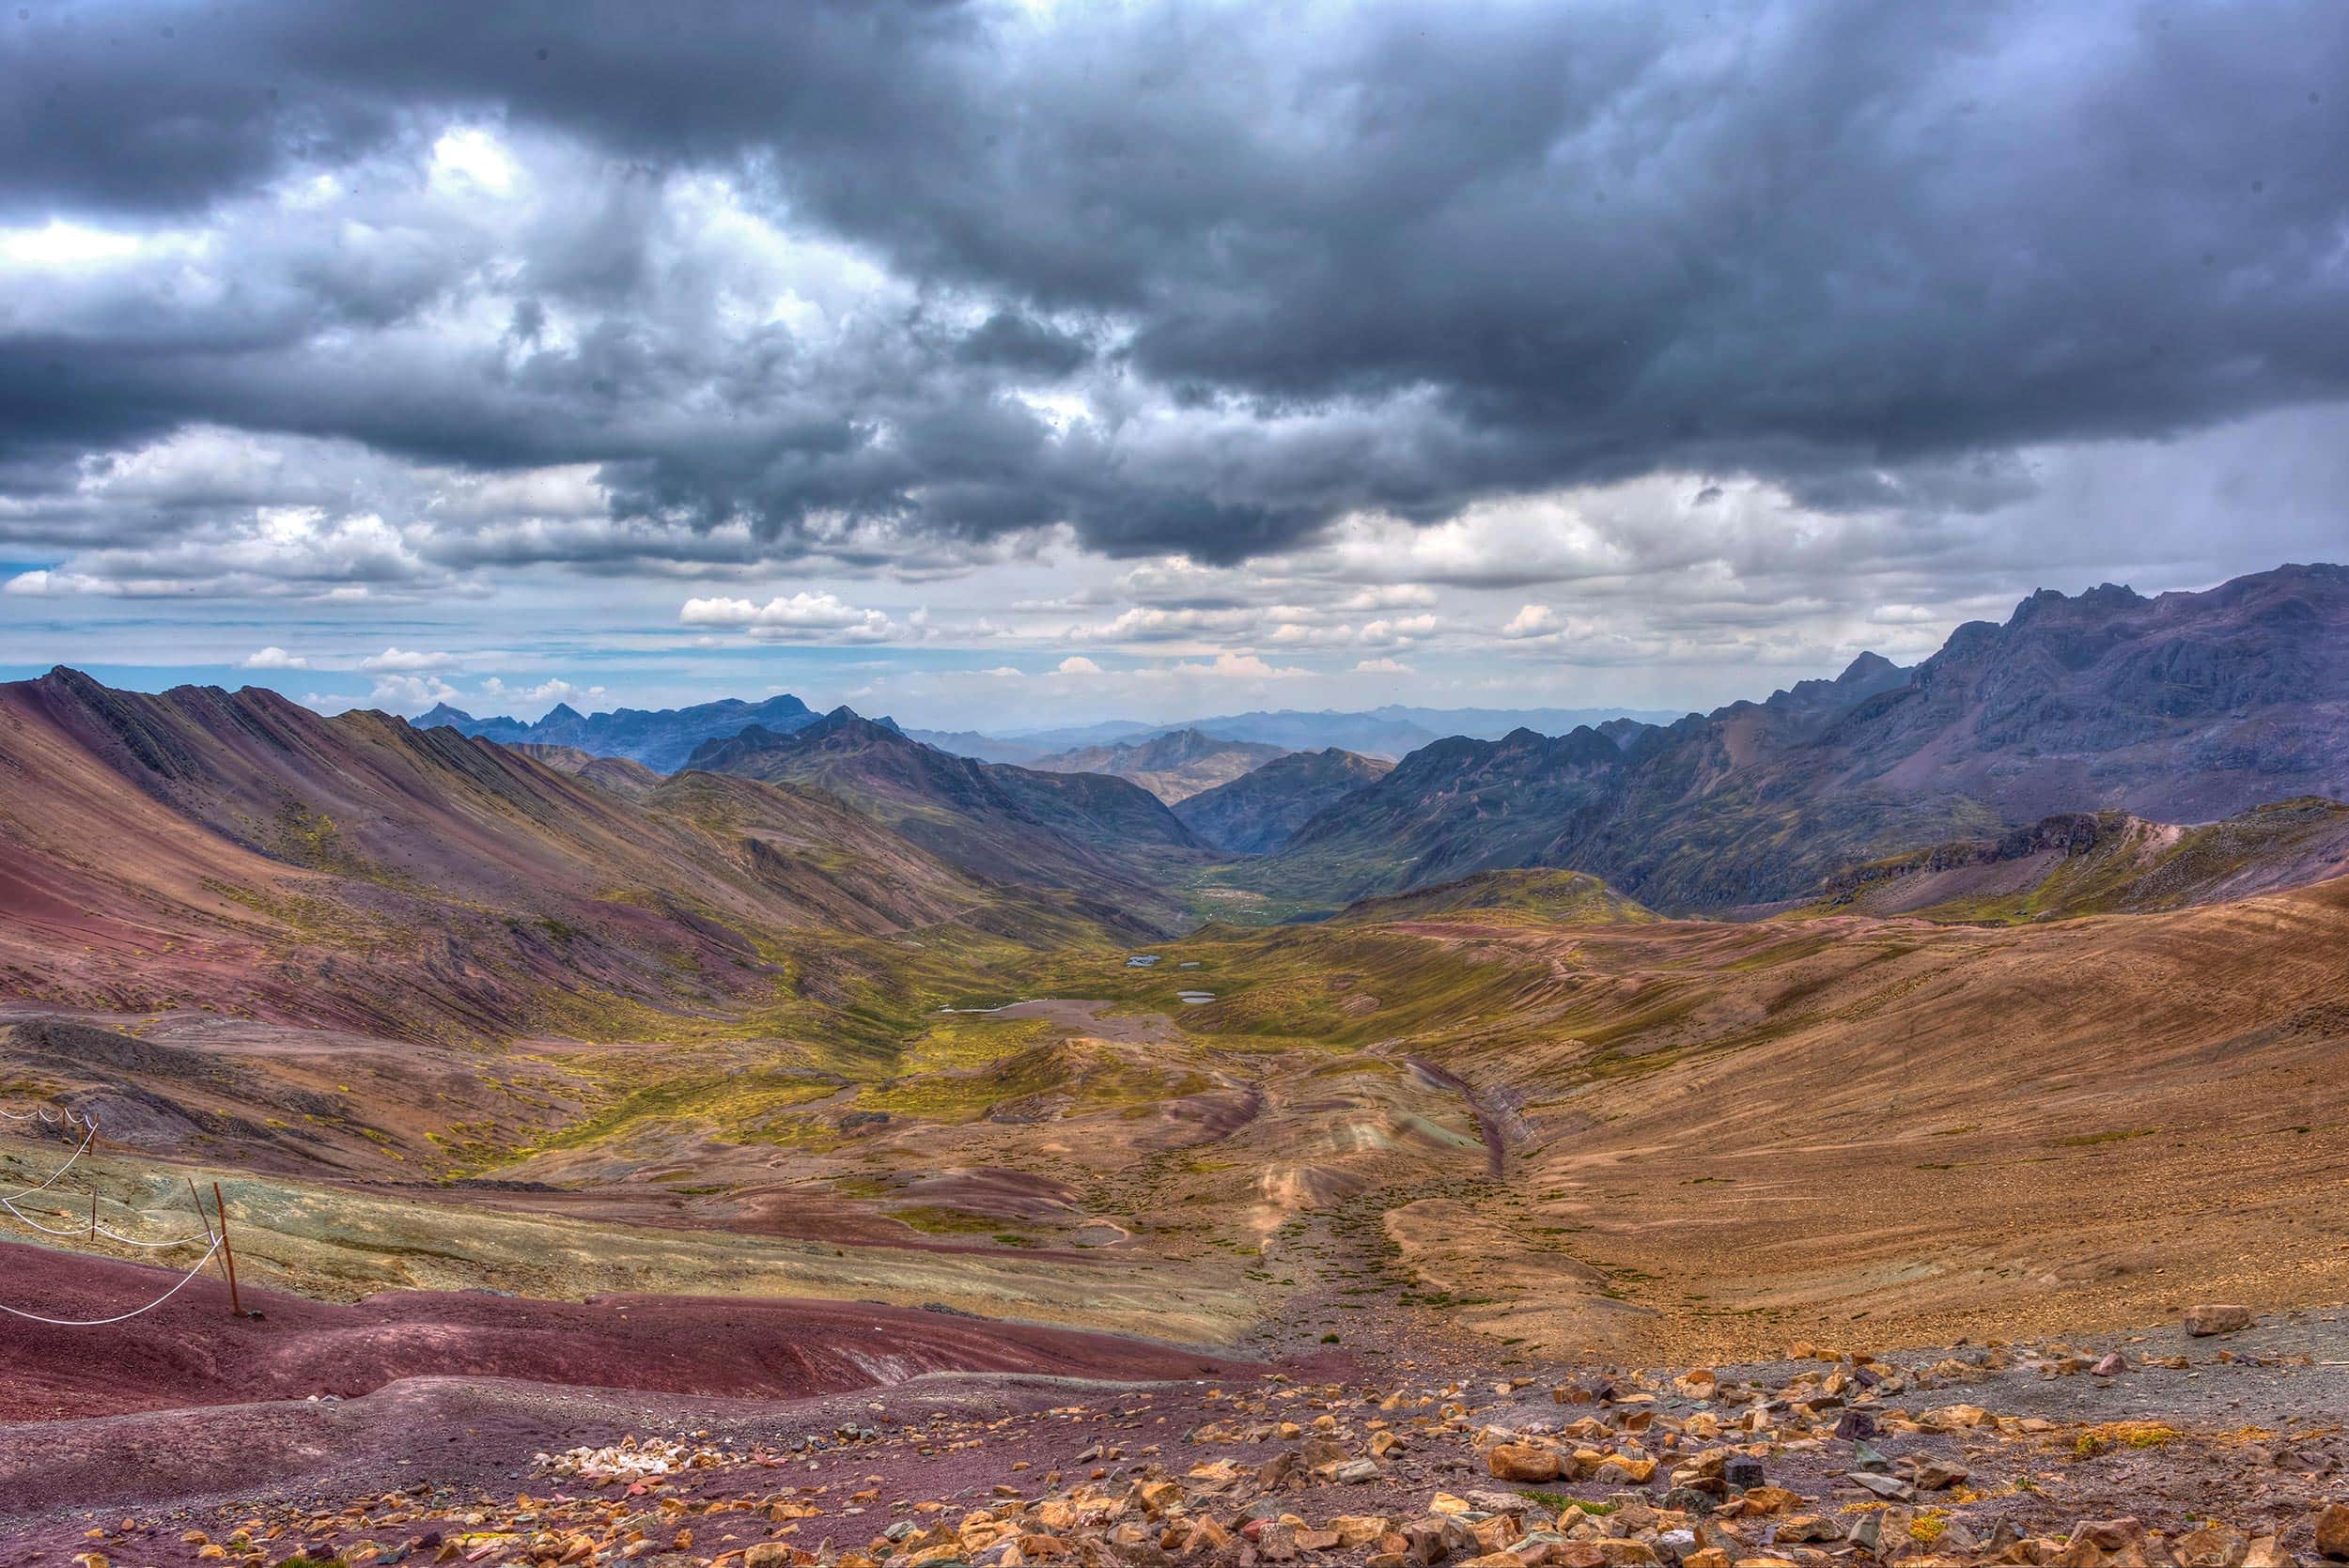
point(118, 1317)
point(215, 1241)
point(95, 1229)
point(87, 1138)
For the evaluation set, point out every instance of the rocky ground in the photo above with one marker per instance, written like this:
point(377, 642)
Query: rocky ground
point(2217, 1450)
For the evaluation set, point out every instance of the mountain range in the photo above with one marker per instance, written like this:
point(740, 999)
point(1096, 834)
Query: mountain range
point(1390, 732)
point(1261, 811)
point(1092, 833)
point(2185, 707)
point(240, 848)
point(660, 738)
point(383, 872)
point(1332, 1047)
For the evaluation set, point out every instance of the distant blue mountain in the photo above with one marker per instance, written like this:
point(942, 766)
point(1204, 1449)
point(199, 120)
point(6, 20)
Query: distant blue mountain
point(660, 738)
point(1392, 732)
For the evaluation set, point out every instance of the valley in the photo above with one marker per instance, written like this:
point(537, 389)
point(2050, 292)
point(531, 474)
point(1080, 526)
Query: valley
point(1013, 783)
point(830, 1063)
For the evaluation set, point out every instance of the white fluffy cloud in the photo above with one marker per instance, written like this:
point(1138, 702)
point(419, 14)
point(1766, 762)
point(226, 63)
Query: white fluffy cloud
point(273, 657)
point(408, 660)
point(802, 616)
point(409, 694)
point(205, 532)
point(1236, 666)
point(545, 694)
point(1387, 633)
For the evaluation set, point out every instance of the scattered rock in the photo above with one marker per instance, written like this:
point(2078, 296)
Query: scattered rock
point(1939, 1475)
point(2216, 1319)
point(1855, 1425)
point(2332, 1531)
point(2211, 1546)
point(1523, 1462)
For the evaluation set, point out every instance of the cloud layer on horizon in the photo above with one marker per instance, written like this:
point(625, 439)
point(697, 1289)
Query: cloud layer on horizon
point(1653, 322)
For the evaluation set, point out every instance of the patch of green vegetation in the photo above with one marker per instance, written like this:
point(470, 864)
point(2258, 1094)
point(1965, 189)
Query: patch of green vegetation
point(1536, 897)
point(2090, 1139)
point(1212, 897)
point(1092, 1079)
point(1558, 1502)
point(1376, 1066)
point(958, 1042)
point(311, 838)
point(738, 1104)
point(315, 920)
point(939, 1219)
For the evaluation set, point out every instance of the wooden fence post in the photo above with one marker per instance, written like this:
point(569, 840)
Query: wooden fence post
point(197, 1198)
point(227, 1252)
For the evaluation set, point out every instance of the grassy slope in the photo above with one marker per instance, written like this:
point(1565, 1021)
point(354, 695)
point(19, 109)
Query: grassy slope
point(2131, 867)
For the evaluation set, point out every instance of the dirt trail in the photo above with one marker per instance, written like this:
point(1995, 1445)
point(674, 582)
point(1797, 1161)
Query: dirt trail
point(1491, 1123)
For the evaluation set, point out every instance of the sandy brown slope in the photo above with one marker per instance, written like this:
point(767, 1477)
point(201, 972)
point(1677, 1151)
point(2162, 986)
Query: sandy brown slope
point(1913, 1132)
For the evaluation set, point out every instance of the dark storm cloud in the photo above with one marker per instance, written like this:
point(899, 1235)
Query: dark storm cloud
point(1018, 342)
point(1302, 261)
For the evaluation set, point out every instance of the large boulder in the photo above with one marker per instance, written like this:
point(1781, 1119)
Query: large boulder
point(2217, 1318)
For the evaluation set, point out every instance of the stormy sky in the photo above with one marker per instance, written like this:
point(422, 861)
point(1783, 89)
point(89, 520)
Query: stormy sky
point(1003, 363)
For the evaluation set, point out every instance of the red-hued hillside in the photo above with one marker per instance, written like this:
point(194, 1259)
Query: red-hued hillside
point(238, 849)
